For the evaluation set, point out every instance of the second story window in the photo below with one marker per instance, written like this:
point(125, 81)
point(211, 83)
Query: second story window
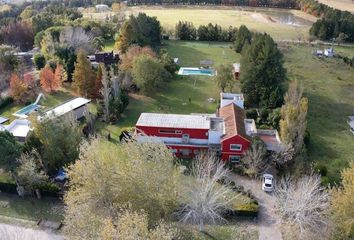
point(235, 147)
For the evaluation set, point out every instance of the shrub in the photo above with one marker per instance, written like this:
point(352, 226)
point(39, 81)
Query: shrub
point(321, 169)
point(49, 189)
point(5, 102)
point(251, 114)
point(39, 61)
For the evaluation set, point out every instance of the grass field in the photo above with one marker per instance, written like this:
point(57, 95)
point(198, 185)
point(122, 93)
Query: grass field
point(344, 5)
point(329, 85)
point(279, 23)
point(30, 208)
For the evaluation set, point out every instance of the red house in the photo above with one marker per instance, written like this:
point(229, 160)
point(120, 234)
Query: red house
point(227, 133)
point(235, 141)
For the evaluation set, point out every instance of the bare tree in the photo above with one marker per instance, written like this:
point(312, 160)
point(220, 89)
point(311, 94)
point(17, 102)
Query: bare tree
point(285, 155)
point(303, 204)
point(204, 198)
point(76, 37)
point(255, 159)
point(105, 92)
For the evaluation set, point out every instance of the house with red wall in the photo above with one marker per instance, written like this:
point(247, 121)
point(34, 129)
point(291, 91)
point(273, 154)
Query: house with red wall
point(227, 133)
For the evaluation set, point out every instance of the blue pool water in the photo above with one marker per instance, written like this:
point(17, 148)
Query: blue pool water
point(196, 71)
point(27, 110)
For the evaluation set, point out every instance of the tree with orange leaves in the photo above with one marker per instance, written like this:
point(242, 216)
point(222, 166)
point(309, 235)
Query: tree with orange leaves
point(59, 77)
point(47, 79)
point(18, 87)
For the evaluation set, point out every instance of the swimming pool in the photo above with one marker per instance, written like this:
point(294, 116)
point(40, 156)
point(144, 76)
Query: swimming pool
point(24, 112)
point(196, 71)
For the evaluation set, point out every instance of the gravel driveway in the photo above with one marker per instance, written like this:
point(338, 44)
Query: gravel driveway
point(268, 221)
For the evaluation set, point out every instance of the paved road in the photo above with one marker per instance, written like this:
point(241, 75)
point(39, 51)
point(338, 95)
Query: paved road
point(268, 221)
point(10, 232)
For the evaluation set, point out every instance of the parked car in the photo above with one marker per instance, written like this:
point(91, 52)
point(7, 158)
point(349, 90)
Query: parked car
point(267, 182)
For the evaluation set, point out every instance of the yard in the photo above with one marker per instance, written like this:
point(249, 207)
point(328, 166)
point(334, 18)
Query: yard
point(279, 23)
point(30, 209)
point(328, 85)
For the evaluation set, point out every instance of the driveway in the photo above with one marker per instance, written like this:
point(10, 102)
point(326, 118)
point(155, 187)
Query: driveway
point(10, 232)
point(268, 221)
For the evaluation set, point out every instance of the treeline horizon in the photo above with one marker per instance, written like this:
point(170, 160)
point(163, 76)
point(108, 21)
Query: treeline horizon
point(288, 4)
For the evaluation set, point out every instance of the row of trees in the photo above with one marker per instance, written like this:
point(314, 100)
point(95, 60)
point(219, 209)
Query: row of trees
point(252, 3)
point(333, 23)
point(210, 32)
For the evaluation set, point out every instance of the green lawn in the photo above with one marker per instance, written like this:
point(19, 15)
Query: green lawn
point(272, 21)
point(329, 85)
point(174, 97)
point(31, 209)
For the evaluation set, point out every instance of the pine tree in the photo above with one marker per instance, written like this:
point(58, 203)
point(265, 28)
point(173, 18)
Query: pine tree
point(243, 37)
point(84, 76)
point(263, 73)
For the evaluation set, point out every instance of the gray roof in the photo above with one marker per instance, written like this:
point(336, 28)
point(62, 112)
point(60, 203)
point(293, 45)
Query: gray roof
point(174, 121)
point(3, 120)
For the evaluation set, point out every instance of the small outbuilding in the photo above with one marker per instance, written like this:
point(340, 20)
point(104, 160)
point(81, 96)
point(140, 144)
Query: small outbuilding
point(78, 106)
point(236, 70)
point(206, 63)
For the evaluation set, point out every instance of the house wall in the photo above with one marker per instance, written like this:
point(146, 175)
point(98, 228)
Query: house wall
point(80, 112)
point(154, 131)
point(225, 147)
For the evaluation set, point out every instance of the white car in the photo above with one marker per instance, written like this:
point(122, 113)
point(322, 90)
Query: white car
point(267, 183)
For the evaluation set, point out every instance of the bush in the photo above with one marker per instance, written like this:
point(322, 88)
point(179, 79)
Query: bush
point(251, 114)
point(5, 102)
point(321, 169)
point(8, 187)
point(39, 61)
point(49, 189)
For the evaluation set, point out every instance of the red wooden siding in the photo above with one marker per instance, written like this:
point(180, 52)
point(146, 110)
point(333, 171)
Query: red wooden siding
point(225, 145)
point(154, 131)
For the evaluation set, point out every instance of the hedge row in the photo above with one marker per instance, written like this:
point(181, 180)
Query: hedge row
point(47, 189)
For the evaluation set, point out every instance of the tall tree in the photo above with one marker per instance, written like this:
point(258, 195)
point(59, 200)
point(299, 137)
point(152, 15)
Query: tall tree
point(149, 74)
point(47, 80)
point(84, 76)
point(59, 76)
point(243, 37)
point(263, 73)
point(224, 78)
point(105, 91)
point(133, 52)
point(19, 34)
point(342, 202)
point(58, 141)
point(142, 176)
point(255, 159)
point(142, 30)
point(10, 150)
point(293, 120)
point(18, 87)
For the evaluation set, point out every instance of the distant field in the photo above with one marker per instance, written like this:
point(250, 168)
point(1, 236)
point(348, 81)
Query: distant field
point(279, 23)
point(345, 5)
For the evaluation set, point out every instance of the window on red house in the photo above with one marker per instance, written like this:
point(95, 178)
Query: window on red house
point(234, 159)
point(170, 131)
point(235, 147)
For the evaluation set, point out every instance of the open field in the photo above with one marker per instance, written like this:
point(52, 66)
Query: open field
point(345, 5)
point(279, 23)
point(330, 88)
